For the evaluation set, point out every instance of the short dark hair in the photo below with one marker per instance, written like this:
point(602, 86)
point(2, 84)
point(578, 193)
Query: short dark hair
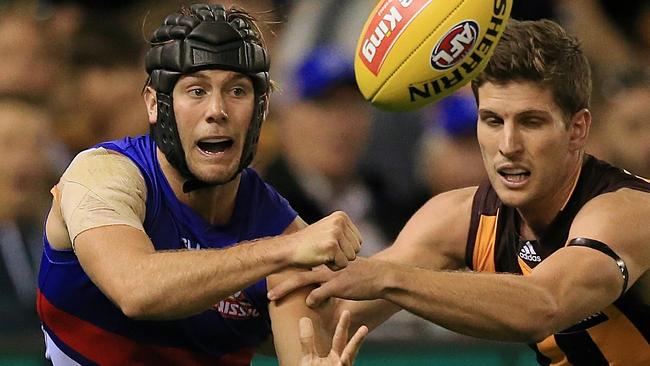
point(543, 52)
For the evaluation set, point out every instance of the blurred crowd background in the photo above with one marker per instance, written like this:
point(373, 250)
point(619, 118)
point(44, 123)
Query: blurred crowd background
point(71, 75)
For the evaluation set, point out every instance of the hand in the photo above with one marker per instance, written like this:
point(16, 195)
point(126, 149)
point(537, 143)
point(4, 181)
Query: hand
point(334, 241)
point(363, 279)
point(341, 354)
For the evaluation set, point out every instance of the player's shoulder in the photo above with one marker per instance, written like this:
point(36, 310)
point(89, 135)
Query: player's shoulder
point(98, 165)
point(99, 155)
point(451, 203)
point(445, 215)
point(448, 214)
point(615, 218)
point(438, 230)
point(624, 200)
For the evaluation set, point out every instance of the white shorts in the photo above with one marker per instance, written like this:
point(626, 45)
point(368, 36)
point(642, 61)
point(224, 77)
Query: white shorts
point(54, 353)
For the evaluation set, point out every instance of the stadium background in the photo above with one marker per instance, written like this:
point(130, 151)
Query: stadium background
point(71, 75)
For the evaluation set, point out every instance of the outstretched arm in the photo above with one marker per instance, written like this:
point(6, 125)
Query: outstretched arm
point(315, 332)
point(285, 314)
point(99, 206)
point(149, 284)
point(302, 335)
point(565, 287)
point(424, 242)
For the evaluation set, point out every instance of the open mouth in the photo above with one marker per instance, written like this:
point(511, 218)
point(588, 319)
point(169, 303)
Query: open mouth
point(514, 175)
point(215, 146)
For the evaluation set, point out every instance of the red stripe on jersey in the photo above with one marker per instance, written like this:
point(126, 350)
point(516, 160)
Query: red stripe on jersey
point(107, 348)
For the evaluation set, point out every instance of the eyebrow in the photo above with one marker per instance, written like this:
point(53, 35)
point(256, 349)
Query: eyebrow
point(525, 113)
point(485, 111)
point(533, 112)
point(201, 75)
point(195, 75)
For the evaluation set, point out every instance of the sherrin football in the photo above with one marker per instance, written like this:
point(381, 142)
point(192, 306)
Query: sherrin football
point(415, 52)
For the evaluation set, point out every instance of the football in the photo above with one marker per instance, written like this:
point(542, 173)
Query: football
point(414, 52)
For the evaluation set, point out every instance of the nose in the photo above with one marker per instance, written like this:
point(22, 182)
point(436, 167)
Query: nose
point(217, 110)
point(510, 143)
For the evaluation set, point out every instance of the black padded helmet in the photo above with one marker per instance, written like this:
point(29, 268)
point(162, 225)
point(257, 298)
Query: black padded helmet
point(210, 37)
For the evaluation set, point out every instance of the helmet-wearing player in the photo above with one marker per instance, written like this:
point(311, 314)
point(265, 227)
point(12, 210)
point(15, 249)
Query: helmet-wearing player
point(159, 247)
point(184, 49)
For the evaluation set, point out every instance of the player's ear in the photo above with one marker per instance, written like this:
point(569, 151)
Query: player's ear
point(579, 126)
point(151, 102)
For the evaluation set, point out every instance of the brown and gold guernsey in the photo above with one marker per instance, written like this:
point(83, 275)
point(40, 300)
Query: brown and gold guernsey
point(619, 334)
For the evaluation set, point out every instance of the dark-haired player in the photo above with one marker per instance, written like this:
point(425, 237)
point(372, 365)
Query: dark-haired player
point(558, 241)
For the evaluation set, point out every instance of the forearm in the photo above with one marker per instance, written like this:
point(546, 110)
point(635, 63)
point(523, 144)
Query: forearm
point(175, 284)
point(285, 315)
point(495, 306)
point(371, 313)
point(149, 284)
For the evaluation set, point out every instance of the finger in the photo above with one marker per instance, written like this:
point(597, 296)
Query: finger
point(295, 282)
point(352, 349)
point(321, 267)
point(355, 231)
point(340, 261)
point(341, 333)
point(333, 267)
point(349, 245)
point(317, 296)
point(307, 342)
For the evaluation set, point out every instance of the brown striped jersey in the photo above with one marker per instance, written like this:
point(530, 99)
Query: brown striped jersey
point(617, 335)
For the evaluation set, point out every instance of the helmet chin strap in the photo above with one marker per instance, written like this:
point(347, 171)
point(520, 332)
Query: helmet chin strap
point(194, 184)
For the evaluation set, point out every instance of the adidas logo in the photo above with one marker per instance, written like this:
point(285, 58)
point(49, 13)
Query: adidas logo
point(528, 253)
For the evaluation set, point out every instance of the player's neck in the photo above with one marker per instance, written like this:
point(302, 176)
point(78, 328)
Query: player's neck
point(215, 204)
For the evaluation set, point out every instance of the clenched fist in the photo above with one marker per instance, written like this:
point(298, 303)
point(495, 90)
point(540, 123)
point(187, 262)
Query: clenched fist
point(334, 240)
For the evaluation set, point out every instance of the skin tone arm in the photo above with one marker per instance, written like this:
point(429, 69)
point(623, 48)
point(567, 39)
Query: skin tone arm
point(413, 247)
point(149, 284)
point(565, 286)
point(498, 306)
point(314, 344)
point(293, 322)
point(285, 315)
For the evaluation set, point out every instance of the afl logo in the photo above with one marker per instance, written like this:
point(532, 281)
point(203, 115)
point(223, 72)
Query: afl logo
point(454, 45)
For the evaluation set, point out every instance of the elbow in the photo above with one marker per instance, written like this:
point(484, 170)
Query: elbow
point(540, 320)
point(135, 312)
point(134, 304)
point(133, 308)
point(535, 332)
